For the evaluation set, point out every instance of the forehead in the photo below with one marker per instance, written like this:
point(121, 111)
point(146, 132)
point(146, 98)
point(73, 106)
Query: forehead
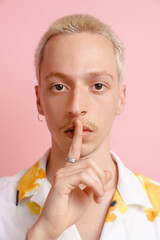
point(75, 54)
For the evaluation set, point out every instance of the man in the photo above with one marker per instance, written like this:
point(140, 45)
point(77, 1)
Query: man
point(79, 189)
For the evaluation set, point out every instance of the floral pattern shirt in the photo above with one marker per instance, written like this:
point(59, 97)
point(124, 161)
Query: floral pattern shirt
point(134, 212)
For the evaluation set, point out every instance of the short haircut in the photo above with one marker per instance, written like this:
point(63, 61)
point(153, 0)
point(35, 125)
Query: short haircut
point(80, 23)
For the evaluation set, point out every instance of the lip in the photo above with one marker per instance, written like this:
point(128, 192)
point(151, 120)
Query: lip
point(85, 134)
point(85, 128)
point(72, 127)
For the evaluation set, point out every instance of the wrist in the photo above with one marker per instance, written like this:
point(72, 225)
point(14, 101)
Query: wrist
point(37, 233)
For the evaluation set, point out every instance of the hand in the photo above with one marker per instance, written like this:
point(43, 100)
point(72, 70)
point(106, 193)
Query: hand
point(67, 202)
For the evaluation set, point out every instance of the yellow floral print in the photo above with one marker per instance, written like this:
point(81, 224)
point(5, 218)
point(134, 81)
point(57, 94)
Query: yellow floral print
point(34, 208)
point(153, 192)
point(116, 204)
point(28, 182)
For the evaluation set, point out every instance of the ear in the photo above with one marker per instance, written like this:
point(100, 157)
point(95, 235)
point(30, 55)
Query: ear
point(121, 100)
point(38, 101)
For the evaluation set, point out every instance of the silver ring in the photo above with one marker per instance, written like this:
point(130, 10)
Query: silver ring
point(71, 160)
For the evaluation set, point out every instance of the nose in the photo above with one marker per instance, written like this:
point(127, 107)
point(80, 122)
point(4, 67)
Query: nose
point(77, 103)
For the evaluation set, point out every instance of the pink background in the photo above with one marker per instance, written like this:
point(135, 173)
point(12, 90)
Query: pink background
point(136, 133)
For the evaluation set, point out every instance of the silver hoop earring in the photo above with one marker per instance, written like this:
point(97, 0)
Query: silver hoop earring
point(39, 118)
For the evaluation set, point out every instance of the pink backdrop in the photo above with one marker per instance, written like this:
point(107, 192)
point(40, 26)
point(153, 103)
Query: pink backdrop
point(136, 133)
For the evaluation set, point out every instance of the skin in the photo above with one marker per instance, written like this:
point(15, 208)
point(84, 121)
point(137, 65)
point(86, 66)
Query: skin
point(78, 87)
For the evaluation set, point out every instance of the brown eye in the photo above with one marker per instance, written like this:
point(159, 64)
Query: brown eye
point(98, 86)
point(58, 87)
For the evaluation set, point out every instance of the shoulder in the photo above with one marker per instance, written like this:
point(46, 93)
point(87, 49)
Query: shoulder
point(5, 181)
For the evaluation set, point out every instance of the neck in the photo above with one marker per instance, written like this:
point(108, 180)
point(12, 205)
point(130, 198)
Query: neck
point(101, 156)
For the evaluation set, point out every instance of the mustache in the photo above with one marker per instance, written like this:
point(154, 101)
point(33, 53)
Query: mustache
point(85, 123)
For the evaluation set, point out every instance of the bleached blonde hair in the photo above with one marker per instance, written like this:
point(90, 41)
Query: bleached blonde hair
point(79, 23)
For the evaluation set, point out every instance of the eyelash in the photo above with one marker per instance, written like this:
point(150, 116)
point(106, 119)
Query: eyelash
point(54, 86)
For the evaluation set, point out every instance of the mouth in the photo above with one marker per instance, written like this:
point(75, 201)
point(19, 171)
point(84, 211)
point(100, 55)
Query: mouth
point(70, 131)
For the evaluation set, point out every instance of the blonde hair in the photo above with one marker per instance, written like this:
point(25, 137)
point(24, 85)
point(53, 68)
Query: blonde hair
point(77, 24)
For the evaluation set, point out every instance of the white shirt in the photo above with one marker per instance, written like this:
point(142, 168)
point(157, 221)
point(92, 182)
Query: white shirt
point(134, 213)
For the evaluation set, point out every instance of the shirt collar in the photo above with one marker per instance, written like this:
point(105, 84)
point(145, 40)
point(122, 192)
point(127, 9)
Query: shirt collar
point(34, 184)
point(33, 180)
point(129, 187)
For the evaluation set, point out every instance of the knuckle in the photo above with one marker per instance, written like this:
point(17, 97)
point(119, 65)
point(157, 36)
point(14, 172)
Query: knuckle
point(56, 183)
point(82, 175)
point(89, 170)
point(59, 187)
point(58, 173)
point(90, 161)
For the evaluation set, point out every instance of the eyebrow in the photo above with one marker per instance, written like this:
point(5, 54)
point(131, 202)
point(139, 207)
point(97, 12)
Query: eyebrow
point(87, 75)
point(99, 74)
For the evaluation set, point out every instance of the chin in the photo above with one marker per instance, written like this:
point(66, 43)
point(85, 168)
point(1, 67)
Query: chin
point(87, 151)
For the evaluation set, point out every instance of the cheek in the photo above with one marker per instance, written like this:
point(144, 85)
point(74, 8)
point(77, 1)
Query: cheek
point(106, 109)
point(53, 112)
point(105, 116)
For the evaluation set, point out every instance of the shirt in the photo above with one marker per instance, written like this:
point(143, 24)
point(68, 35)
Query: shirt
point(134, 212)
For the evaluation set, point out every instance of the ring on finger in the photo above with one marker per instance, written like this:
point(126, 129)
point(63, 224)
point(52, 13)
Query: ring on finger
point(71, 160)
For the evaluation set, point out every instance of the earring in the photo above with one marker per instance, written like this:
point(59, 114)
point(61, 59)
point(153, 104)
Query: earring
point(39, 118)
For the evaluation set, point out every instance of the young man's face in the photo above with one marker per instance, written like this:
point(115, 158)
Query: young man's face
point(79, 80)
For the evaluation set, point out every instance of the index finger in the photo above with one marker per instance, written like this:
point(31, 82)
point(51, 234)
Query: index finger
point(75, 148)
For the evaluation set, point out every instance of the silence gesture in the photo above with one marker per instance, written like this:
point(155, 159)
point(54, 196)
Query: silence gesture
point(67, 202)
